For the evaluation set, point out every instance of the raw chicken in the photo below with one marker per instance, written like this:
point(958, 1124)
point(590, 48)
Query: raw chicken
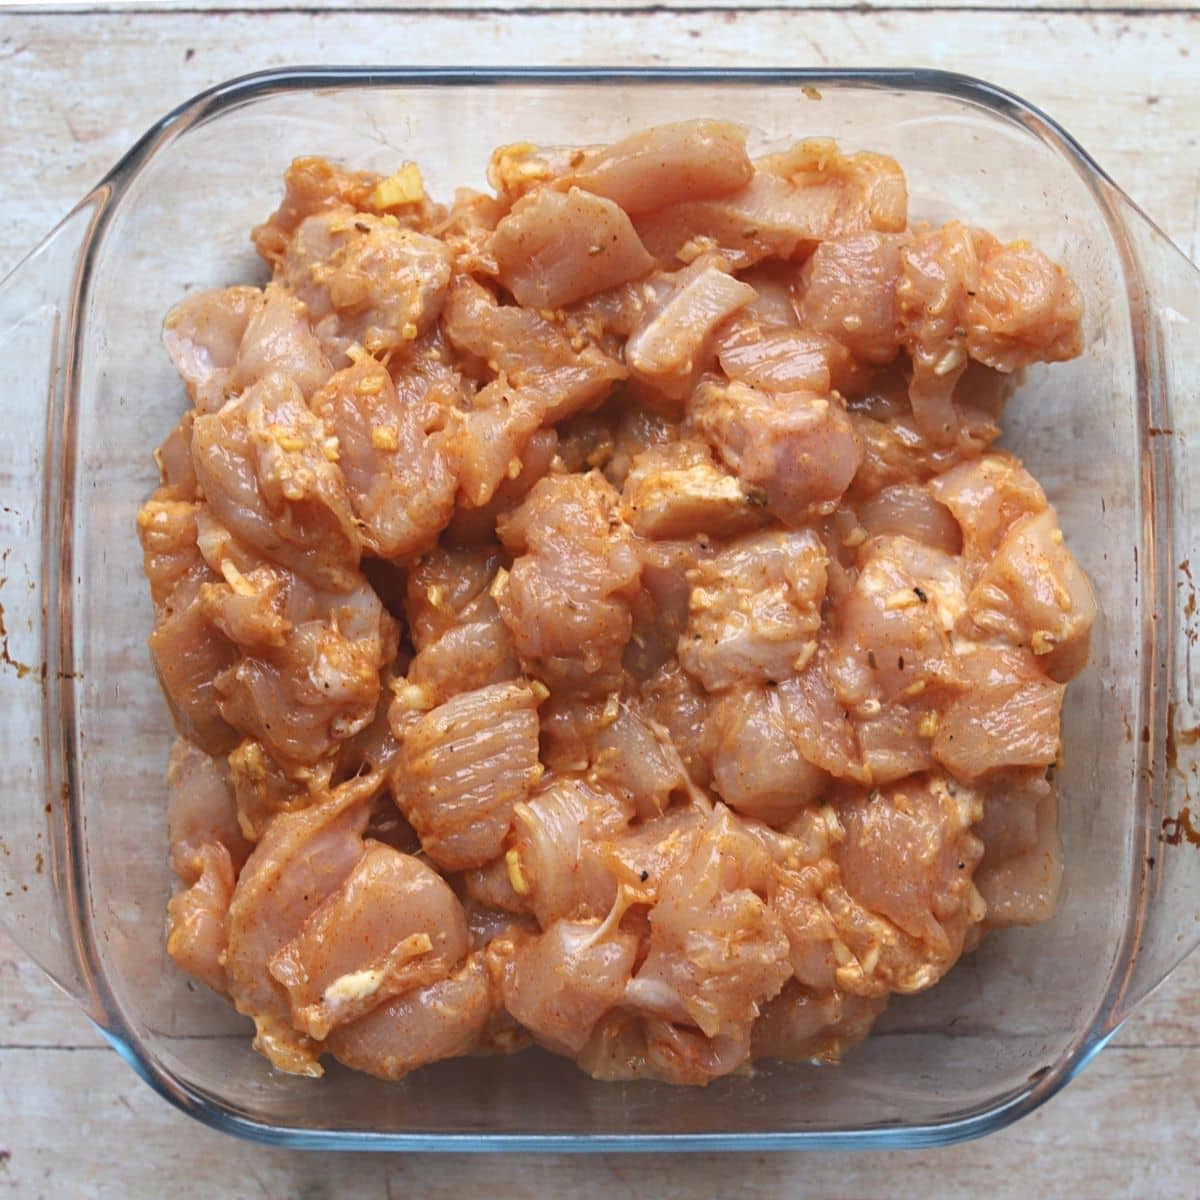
point(594, 613)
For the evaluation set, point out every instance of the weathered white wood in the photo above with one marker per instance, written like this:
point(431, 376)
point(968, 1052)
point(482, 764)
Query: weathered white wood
point(76, 1123)
point(76, 90)
point(1134, 8)
point(1130, 94)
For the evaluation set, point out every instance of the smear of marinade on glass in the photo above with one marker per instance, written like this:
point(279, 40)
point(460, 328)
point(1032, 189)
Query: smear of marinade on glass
point(593, 613)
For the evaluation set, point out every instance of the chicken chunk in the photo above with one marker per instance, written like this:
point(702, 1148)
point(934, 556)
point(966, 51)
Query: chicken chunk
point(755, 608)
point(391, 926)
point(463, 767)
point(554, 248)
point(398, 454)
point(442, 1020)
point(796, 451)
point(567, 598)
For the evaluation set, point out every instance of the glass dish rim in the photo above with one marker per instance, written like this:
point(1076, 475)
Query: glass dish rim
point(103, 1008)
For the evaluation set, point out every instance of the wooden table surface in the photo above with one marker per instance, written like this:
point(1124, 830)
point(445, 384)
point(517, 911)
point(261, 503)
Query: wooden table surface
point(76, 88)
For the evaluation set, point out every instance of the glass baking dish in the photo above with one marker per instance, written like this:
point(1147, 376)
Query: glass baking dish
point(86, 393)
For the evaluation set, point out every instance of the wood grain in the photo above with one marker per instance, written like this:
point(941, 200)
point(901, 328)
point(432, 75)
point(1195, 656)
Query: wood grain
point(77, 89)
point(1138, 115)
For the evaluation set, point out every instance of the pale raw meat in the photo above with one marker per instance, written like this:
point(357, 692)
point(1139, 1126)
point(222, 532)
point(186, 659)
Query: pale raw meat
point(392, 925)
point(797, 451)
point(398, 453)
point(595, 615)
point(443, 1020)
point(566, 599)
point(365, 281)
point(755, 609)
point(555, 248)
point(461, 769)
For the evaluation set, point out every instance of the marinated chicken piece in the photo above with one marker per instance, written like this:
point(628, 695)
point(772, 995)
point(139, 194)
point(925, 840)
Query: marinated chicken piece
point(398, 454)
point(475, 523)
point(594, 614)
point(391, 926)
point(494, 438)
point(677, 490)
point(793, 202)
point(986, 496)
point(279, 340)
point(1021, 871)
point(365, 281)
point(1006, 715)
point(964, 294)
point(189, 654)
point(203, 335)
point(269, 473)
point(671, 343)
point(302, 858)
point(780, 360)
point(634, 757)
point(796, 451)
point(907, 859)
point(1034, 594)
point(895, 628)
point(914, 511)
point(201, 811)
point(894, 449)
point(313, 681)
point(566, 599)
point(463, 767)
point(445, 589)
point(555, 859)
point(817, 722)
point(263, 788)
point(757, 768)
point(664, 165)
point(755, 610)
point(443, 1020)
point(311, 185)
point(472, 655)
point(660, 610)
point(717, 952)
point(559, 983)
point(848, 292)
point(534, 355)
point(198, 917)
point(554, 248)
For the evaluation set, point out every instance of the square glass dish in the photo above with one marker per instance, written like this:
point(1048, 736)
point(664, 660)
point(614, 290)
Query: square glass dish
point(86, 393)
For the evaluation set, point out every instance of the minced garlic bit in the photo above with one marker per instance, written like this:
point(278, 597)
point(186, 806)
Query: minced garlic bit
point(1043, 641)
point(356, 985)
point(612, 709)
point(414, 696)
point(404, 187)
point(915, 689)
point(499, 584)
point(385, 437)
point(409, 331)
point(901, 598)
point(805, 656)
point(855, 538)
point(516, 872)
point(236, 580)
point(539, 689)
point(928, 725)
point(435, 594)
